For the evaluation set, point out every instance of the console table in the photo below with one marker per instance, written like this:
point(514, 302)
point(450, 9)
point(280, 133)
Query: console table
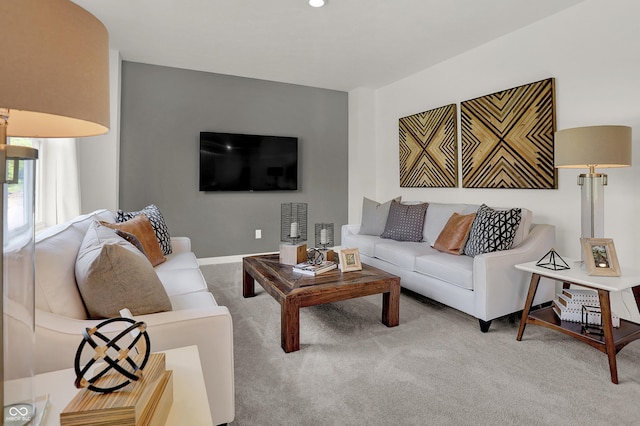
point(614, 339)
point(190, 403)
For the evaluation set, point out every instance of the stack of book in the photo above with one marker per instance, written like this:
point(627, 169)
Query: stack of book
point(568, 306)
point(309, 269)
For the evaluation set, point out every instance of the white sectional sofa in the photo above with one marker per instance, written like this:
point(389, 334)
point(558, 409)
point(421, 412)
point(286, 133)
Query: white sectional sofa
point(486, 286)
point(195, 318)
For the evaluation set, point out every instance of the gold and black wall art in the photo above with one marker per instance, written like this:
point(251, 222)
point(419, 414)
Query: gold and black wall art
point(429, 149)
point(508, 138)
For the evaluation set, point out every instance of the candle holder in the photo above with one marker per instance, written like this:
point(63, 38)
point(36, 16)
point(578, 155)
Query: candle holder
point(293, 222)
point(324, 235)
point(293, 233)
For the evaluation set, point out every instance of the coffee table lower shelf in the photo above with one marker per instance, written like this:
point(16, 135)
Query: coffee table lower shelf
point(625, 334)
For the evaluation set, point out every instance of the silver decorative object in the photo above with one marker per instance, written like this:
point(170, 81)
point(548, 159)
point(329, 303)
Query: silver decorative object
point(293, 222)
point(324, 235)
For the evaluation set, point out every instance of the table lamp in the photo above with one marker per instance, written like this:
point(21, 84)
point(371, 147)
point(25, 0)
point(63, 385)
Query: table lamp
point(54, 82)
point(588, 148)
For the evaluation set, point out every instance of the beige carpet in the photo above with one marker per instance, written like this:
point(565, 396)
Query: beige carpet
point(436, 368)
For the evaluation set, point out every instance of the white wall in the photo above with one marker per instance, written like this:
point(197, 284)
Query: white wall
point(590, 49)
point(98, 156)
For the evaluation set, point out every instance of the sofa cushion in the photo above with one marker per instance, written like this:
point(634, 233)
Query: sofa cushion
point(437, 216)
point(374, 216)
point(492, 230)
point(56, 251)
point(112, 274)
point(364, 243)
point(454, 236)
point(157, 221)
point(182, 260)
point(402, 254)
point(141, 227)
point(182, 281)
point(405, 222)
point(456, 270)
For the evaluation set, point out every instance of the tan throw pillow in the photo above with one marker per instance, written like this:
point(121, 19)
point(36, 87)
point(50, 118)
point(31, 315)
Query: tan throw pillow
point(140, 226)
point(455, 233)
point(112, 274)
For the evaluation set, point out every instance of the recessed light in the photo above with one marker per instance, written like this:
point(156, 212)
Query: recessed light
point(316, 3)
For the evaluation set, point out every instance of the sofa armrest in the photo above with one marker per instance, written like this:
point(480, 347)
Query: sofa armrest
point(210, 328)
point(500, 288)
point(181, 244)
point(349, 229)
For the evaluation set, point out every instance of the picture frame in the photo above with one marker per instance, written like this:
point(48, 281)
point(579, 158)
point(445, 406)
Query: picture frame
point(600, 257)
point(350, 260)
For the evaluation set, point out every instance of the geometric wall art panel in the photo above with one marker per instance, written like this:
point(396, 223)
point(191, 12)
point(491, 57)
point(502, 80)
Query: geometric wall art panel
point(429, 149)
point(508, 138)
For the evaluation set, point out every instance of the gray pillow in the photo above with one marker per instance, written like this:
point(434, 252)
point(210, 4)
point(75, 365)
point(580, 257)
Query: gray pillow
point(374, 216)
point(492, 230)
point(405, 222)
point(112, 274)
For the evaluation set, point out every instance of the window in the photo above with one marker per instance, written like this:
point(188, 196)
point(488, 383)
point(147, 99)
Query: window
point(20, 178)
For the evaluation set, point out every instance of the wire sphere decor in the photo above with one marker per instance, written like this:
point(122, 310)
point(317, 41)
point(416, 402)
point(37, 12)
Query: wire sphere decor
point(124, 356)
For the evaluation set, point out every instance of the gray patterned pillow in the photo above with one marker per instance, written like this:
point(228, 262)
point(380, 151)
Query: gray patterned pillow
point(405, 222)
point(157, 221)
point(492, 230)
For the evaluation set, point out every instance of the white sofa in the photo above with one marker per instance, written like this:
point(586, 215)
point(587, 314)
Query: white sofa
point(195, 318)
point(486, 286)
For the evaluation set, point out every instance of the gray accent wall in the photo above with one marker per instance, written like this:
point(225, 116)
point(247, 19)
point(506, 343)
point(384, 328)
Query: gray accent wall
point(162, 114)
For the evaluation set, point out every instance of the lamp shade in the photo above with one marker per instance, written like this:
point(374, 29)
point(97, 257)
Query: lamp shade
point(593, 146)
point(54, 69)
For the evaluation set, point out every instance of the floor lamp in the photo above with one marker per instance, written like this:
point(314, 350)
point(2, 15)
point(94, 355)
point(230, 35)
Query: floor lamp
point(54, 82)
point(588, 148)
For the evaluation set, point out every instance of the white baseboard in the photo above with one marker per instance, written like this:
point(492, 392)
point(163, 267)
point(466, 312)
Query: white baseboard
point(225, 259)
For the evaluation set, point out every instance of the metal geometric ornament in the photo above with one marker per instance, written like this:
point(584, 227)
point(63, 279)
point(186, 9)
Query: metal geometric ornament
point(293, 222)
point(120, 368)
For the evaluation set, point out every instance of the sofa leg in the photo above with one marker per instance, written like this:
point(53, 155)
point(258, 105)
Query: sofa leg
point(484, 325)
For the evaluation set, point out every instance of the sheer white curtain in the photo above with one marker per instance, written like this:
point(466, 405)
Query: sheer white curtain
point(58, 186)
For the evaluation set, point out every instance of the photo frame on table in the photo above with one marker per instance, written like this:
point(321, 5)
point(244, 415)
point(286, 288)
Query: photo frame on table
point(349, 260)
point(600, 257)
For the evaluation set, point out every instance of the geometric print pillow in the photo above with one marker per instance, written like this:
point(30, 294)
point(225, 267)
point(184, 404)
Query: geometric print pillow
point(157, 222)
point(492, 230)
point(405, 222)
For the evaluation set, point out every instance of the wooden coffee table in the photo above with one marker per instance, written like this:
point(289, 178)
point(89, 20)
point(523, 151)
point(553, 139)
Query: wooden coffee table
point(294, 291)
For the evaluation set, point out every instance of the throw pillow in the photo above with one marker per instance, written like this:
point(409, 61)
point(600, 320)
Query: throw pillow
point(405, 222)
point(132, 239)
point(112, 274)
point(492, 230)
point(455, 233)
point(374, 216)
point(157, 221)
point(140, 226)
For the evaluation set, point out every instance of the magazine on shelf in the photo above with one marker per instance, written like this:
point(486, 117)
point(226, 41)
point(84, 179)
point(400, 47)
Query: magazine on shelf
point(575, 315)
point(309, 269)
point(580, 295)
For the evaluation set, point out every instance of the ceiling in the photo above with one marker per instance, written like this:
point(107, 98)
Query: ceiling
point(342, 46)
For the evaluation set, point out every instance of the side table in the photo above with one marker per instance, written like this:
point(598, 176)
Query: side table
point(190, 403)
point(614, 339)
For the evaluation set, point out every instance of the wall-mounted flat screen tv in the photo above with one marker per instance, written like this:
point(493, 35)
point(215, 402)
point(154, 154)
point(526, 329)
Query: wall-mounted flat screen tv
point(236, 162)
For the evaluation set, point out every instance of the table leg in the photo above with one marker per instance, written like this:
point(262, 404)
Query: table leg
point(290, 324)
point(533, 286)
point(391, 306)
point(607, 326)
point(248, 284)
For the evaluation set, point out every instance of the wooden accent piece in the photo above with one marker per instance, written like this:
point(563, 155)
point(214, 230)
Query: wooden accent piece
point(429, 149)
point(611, 343)
point(292, 254)
point(508, 138)
point(294, 291)
point(145, 402)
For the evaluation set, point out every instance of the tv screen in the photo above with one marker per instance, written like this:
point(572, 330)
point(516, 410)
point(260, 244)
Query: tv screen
point(235, 162)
